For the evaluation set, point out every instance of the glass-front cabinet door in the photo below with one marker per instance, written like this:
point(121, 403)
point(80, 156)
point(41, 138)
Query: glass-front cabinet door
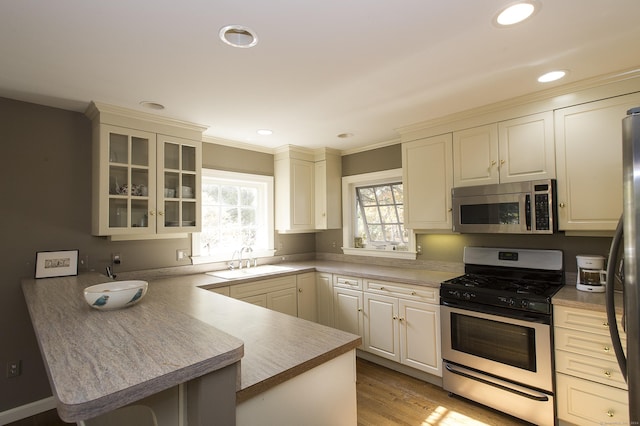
point(128, 181)
point(179, 171)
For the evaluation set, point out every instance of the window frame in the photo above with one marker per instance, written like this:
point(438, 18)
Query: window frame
point(349, 184)
point(236, 177)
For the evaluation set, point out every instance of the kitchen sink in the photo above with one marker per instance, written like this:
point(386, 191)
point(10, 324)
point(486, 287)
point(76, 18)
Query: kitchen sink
point(250, 272)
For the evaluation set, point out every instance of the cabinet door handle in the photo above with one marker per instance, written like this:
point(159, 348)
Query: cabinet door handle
point(610, 413)
point(606, 348)
point(299, 290)
point(382, 288)
point(395, 317)
point(359, 309)
point(413, 293)
point(605, 324)
point(161, 213)
point(502, 162)
point(562, 205)
point(401, 319)
point(608, 374)
point(152, 213)
point(493, 163)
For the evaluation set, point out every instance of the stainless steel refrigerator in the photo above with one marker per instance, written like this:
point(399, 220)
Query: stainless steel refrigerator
point(625, 262)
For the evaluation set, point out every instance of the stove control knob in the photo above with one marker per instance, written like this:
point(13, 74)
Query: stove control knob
point(455, 293)
point(466, 295)
point(511, 301)
point(524, 303)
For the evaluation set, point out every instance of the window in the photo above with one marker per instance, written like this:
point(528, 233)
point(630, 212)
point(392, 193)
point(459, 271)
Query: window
point(380, 214)
point(373, 216)
point(237, 211)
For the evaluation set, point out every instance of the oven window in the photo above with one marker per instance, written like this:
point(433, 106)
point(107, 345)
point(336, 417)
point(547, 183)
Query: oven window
point(490, 214)
point(498, 341)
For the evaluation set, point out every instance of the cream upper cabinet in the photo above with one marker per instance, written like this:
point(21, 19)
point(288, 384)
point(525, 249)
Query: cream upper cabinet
point(328, 189)
point(427, 168)
point(589, 157)
point(515, 150)
point(475, 156)
point(526, 148)
point(145, 182)
point(307, 190)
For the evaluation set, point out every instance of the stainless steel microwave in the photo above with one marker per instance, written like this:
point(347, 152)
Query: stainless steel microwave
point(510, 208)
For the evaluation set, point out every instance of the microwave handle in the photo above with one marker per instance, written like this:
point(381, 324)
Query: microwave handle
point(527, 211)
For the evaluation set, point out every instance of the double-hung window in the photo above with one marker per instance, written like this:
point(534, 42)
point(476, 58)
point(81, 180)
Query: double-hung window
point(237, 211)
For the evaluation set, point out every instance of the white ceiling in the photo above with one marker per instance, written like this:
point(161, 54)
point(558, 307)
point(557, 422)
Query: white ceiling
point(321, 67)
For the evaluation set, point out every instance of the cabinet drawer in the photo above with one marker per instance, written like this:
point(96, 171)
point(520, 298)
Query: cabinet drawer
point(589, 344)
point(263, 286)
point(598, 370)
point(347, 282)
point(406, 291)
point(587, 403)
point(582, 319)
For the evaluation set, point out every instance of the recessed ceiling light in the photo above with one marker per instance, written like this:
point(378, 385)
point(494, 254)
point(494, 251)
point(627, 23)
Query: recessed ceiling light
point(152, 105)
point(516, 12)
point(238, 36)
point(345, 135)
point(264, 132)
point(552, 76)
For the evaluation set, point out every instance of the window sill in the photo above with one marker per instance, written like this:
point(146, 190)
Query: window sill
point(390, 254)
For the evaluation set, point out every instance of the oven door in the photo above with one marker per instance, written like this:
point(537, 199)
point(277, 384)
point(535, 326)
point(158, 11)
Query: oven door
point(503, 213)
point(513, 349)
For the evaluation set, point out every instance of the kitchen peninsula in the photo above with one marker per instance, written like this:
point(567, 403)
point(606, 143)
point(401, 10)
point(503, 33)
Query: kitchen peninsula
point(181, 334)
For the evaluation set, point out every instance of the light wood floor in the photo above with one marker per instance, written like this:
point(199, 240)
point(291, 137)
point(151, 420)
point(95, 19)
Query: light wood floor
point(386, 398)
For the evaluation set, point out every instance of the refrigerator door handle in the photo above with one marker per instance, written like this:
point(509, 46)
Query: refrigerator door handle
point(611, 309)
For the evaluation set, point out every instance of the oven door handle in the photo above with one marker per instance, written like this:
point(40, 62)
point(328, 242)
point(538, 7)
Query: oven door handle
point(498, 383)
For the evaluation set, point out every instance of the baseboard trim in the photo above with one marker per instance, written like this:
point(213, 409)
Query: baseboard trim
point(27, 410)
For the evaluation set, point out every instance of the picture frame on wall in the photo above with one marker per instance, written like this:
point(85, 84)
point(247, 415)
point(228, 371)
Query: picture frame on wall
point(51, 264)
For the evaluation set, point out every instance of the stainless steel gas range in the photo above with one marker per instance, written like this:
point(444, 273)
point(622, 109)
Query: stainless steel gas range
point(496, 330)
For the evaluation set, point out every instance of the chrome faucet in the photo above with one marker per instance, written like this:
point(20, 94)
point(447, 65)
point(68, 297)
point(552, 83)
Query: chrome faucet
point(233, 256)
point(110, 273)
point(248, 250)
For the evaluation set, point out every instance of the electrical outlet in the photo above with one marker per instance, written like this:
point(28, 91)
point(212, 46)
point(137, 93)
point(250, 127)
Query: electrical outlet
point(182, 254)
point(13, 368)
point(116, 259)
point(84, 263)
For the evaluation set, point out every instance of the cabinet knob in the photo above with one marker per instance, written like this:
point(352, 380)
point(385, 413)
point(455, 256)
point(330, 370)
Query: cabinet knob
point(561, 205)
point(502, 162)
point(299, 290)
point(606, 348)
point(382, 288)
point(450, 210)
point(610, 413)
point(608, 374)
point(493, 163)
point(413, 293)
point(152, 213)
point(395, 317)
point(359, 309)
point(161, 213)
point(605, 324)
point(401, 319)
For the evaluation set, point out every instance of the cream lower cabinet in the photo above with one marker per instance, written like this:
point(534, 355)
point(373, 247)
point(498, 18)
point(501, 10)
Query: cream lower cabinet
point(590, 389)
point(402, 323)
point(589, 163)
point(427, 168)
point(324, 294)
point(278, 294)
point(307, 296)
point(348, 308)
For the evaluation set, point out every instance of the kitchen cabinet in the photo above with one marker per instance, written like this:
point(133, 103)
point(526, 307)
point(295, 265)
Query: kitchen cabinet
point(402, 323)
point(590, 388)
point(589, 163)
point(348, 304)
point(225, 291)
point(514, 150)
point(278, 294)
point(307, 190)
point(328, 189)
point(146, 175)
point(324, 291)
point(427, 167)
point(307, 300)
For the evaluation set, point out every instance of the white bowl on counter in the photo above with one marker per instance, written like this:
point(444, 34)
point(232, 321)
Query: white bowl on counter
point(115, 294)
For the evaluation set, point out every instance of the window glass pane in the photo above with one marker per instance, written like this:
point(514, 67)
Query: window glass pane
point(398, 194)
point(229, 195)
point(376, 232)
point(388, 214)
point(384, 195)
point(367, 196)
point(372, 215)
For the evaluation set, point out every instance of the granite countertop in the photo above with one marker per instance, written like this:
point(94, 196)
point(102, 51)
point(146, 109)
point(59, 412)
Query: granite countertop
point(571, 297)
point(101, 360)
